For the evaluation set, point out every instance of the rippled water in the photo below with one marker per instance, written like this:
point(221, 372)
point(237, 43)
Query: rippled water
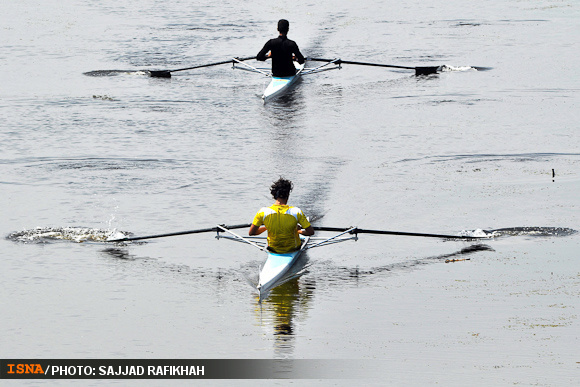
point(86, 157)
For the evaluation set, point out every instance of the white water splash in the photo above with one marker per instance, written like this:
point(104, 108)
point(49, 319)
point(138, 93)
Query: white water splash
point(456, 68)
point(73, 234)
point(520, 231)
point(478, 233)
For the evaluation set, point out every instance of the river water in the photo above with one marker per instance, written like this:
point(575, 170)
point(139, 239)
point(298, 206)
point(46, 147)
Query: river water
point(490, 144)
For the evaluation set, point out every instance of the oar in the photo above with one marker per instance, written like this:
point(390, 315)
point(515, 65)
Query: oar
point(418, 70)
point(383, 232)
point(180, 233)
point(167, 73)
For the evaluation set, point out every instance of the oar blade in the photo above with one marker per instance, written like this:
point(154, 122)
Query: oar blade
point(160, 73)
point(426, 70)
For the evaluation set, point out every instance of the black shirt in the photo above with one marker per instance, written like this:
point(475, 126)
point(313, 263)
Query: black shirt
point(282, 49)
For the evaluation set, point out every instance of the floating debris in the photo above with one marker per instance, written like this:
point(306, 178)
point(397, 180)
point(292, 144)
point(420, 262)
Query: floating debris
point(457, 260)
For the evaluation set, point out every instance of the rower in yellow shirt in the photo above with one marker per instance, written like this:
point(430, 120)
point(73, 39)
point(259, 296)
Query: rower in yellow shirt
point(281, 220)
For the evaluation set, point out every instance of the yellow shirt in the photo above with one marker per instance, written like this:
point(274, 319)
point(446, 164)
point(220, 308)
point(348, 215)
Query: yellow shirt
point(281, 222)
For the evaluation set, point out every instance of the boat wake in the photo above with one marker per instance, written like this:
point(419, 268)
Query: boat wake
point(520, 231)
point(326, 274)
point(72, 234)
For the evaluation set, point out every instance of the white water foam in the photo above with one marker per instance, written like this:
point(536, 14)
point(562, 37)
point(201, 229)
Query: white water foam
point(517, 231)
point(456, 68)
point(73, 234)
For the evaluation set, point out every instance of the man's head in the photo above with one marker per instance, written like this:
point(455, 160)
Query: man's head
point(283, 26)
point(281, 188)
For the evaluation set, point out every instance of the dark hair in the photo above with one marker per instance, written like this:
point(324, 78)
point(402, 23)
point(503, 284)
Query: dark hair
point(283, 26)
point(281, 188)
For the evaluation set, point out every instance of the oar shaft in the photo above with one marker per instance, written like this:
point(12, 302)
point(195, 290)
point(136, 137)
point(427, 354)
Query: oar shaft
point(332, 229)
point(377, 65)
point(167, 73)
point(418, 70)
point(201, 230)
point(384, 232)
point(339, 61)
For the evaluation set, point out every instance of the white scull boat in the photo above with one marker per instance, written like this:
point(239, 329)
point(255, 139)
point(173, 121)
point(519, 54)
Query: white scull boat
point(280, 85)
point(277, 268)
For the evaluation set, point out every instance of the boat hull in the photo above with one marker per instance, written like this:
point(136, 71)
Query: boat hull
point(280, 85)
point(276, 267)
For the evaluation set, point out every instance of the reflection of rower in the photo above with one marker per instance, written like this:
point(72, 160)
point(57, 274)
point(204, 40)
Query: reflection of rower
point(284, 298)
point(281, 221)
point(287, 302)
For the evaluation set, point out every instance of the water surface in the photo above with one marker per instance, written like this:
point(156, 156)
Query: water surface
point(455, 152)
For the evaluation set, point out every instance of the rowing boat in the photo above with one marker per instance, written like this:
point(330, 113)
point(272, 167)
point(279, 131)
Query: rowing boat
point(280, 85)
point(277, 268)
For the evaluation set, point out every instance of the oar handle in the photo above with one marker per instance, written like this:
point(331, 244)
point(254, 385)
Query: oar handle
point(210, 229)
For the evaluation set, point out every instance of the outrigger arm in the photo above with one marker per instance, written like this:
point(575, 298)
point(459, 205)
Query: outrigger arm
point(237, 237)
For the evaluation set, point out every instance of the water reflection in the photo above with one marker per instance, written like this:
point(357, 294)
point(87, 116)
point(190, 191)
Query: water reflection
point(285, 129)
point(290, 302)
point(287, 305)
point(118, 253)
point(283, 108)
point(331, 275)
point(278, 314)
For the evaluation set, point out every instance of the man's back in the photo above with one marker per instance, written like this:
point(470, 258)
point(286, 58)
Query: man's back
point(281, 221)
point(282, 50)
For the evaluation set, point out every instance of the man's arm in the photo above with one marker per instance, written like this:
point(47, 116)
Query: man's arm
point(262, 54)
point(255, 230)
point(308, 231)
point(298, 54)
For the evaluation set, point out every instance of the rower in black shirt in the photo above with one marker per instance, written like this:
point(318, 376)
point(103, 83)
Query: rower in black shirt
point(282, 51)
